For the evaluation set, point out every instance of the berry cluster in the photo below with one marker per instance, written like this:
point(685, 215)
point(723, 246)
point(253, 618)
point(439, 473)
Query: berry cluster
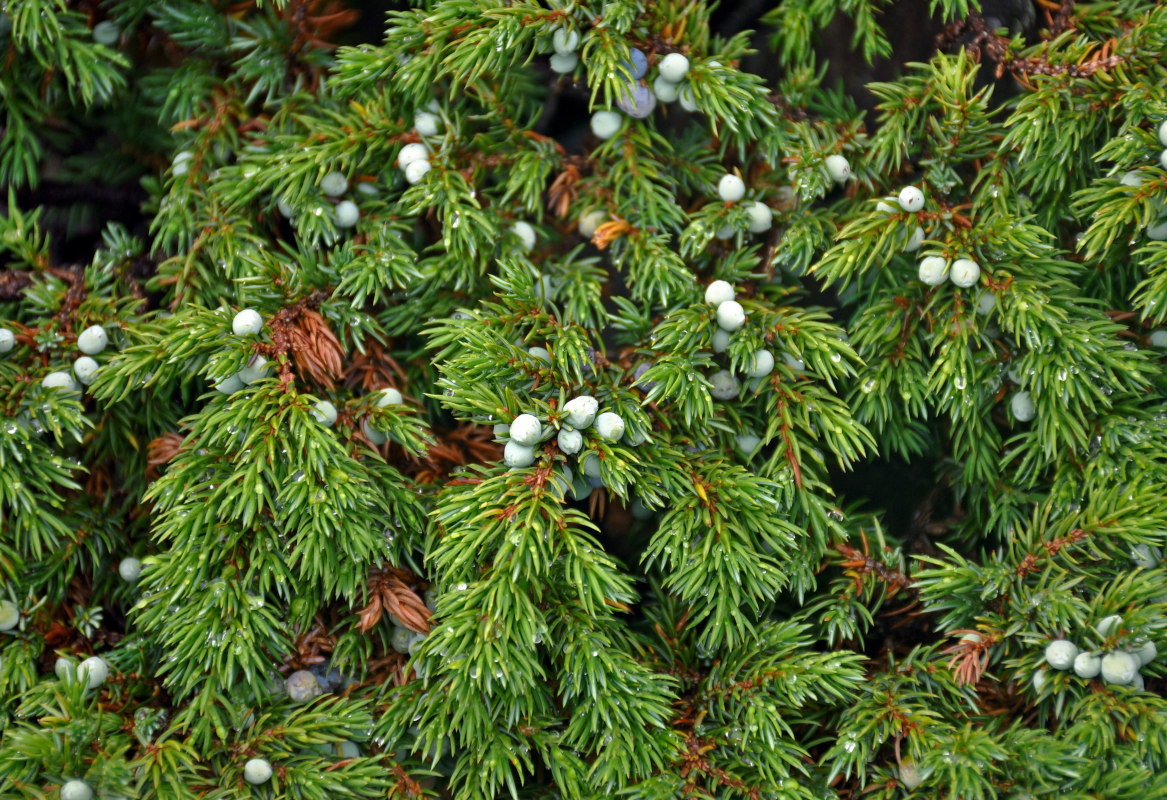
point(731, 189)
point(730, 317)
point(247, 322)
point(581, 413)
point(1118, 667)
point(91, 341)
point(933, 270)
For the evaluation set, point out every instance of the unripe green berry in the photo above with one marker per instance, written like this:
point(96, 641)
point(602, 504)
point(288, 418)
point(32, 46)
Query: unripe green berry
point(563, 63)
point(415, 171)
point(1146, 653)
point(414, 151)
point(229, 385)
point(256, 369)
point(60, 380)
point(565, 40)
point(106, 33)
point(389, 397)
point(721, 340)
point(1109, 626)
point(590, 220)
point(761, 217)
point(911, 199)
point(965, 272)
point(718, 292)
point(376, 437)
point(665, 91)
point(762, 364)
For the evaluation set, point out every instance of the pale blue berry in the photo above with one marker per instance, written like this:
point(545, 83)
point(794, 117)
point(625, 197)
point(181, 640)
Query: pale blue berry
point(346, 213)
point(637, 65)
point(92, 340)
point(674, 67)
point(7, 340)
point(106, 33)
point(247, 322)
point(257, 771)
point(725, 385)
point(130, 569)
point(637, 102)
point(730, 315)
point(610, 426)
point(415, 151)
point(526, 430)
point(606, 124)
point(1060, 654)
point(569, 441)
point(85, 368)
point(325, 413)
point(334, 184)
point(911, 199)
point(76, 790)
point(718, 292)
point(565, 40)
point(838, 167)
point(415, 171)
point(581, 411)
point(516, 455)
point(427, 124)
point(1087, 665)
point(731, 188)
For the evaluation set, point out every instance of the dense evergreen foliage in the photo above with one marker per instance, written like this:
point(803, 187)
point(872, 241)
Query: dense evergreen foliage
point(864, 494)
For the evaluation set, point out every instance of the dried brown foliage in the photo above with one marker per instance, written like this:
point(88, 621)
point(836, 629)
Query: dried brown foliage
point(394, 591)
